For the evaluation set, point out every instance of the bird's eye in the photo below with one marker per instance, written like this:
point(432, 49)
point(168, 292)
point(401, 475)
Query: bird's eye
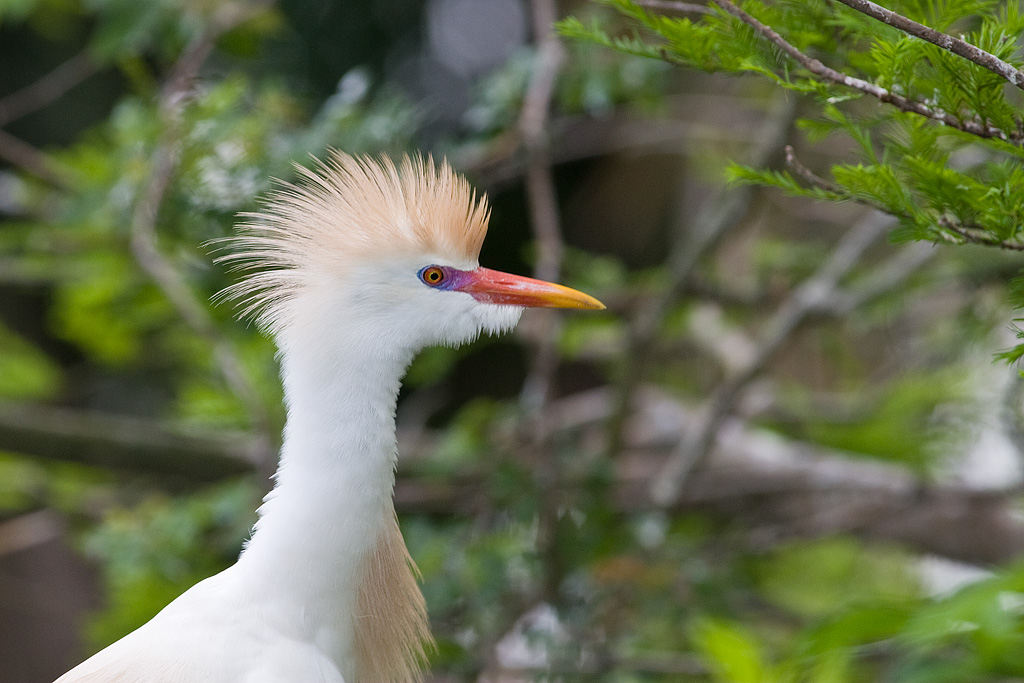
point(432, 275)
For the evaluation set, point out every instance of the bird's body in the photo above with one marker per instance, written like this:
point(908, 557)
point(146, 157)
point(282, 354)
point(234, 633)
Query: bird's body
point(210, 635)
point(353, 273)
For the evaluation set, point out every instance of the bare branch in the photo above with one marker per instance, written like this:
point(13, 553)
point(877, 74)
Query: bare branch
point(42, 92)
point(809, 176)
point(946, 42)
point(693, 241)
point(815, 294)
point(48, 88)
point(792, 487)
point(955, 231)
point(778, 488)
point(542, 197)
point(902, 103)
point(887, 278)
point(976, 234)
point(124, 443)
point(577, 137)
point(29, 530)
point(144, 237)
point(32, 161)
point(533, 126)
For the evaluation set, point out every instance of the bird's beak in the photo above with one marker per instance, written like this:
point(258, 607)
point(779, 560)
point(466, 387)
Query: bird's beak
point(495, 287)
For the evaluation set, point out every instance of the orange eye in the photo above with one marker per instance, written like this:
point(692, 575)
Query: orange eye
point(432, 276)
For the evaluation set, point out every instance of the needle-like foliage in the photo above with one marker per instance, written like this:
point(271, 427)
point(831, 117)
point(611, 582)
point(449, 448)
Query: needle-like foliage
point(938, 138)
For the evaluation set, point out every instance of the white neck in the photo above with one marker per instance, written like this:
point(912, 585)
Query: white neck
point(333, 496)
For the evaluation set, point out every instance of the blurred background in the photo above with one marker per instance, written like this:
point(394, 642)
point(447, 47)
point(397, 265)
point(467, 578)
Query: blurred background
point(784, 452)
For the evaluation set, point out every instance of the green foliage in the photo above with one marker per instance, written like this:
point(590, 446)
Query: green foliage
point(733, 655)
point(21, 482)
point(848, 613)
point(593, 82)
point(470, 584)
point(154, 552)
point(982, 620)
point(845, 576)
point(892, 422)
point(25, 372)
point(649, 596)
point(943, 183)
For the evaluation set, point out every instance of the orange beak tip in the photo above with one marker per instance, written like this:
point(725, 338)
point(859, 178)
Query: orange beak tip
point(493, 286)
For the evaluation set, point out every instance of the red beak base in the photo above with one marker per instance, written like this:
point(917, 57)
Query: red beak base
point(495, 287)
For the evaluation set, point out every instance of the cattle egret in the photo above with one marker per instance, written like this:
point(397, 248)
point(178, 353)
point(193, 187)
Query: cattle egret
point(352, 270)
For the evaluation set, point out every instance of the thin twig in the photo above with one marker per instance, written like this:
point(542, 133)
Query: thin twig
point(809, 176)
point(48, 88)
point(125, 443)
point(533, 126)
point(946, 42)
point(578, 137)
point(786, 484)
point(974, 234)
point(542, 197)
point(902, 103)
point(144, 238)
point(795, 486)
point(693, 240)
point(1011, 415)
point(815, 294)
point(29, 530)
point(886, 278)
point(32, 161)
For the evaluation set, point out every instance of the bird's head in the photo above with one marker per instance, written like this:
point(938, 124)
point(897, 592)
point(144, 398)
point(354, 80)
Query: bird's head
point(363, 246)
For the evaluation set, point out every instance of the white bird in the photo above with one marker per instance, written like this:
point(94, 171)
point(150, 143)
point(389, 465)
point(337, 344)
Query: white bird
point(353, 270)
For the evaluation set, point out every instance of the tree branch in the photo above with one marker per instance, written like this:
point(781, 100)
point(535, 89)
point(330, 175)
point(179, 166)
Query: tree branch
point(812, 295)
point(974, 234)
point(29, 530)
point(812, 178)
point(889, 276)
point(144, 237)
point(124, 443)
point(693, 241)
point(778, 488)
point(48, 88)
point(542, 197)
point(533, 126)
point(946, 42)
point(32, 161)
point(794, 488)
point(902, 103)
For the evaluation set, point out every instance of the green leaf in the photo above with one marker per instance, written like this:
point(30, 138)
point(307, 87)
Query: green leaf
point(732, 654)
point(844, 574)
point(25, 371)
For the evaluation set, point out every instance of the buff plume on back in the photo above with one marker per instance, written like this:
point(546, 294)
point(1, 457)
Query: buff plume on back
point(353, 269)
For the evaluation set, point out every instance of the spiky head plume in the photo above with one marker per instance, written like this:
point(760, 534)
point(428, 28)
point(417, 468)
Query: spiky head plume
point(344, 211)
